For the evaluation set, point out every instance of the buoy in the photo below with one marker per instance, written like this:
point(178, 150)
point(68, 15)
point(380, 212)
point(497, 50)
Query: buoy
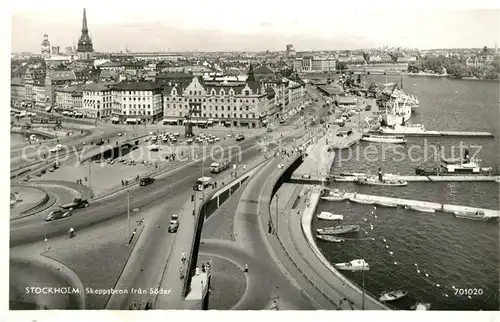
point(453, 286)
point(395, 263)
point(416, 265)
point(375, 216)
point(438, 285)
point(384, 240)
point(386, 246)
point(469, 297)
point(366, 232)
point(418, 271)
point(365, 219)
point(426, 275)
point(374, 207)
point(446, 295)
point(391, 253)
point(373, 238)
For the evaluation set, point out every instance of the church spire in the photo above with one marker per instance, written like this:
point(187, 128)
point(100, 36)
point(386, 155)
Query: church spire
point(84, 23)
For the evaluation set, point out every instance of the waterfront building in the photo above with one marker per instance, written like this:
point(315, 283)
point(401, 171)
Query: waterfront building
point(136, 101)
point(211, 103)
point(69, 98)
point(97, 100)
point(314, 64)
point(54, 79)
point(17, 91)
point(85, 48)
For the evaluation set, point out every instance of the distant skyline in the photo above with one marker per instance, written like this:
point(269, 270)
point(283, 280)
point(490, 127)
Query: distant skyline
point(196, 25)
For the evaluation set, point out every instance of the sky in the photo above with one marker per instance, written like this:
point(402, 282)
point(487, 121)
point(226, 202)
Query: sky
point(257, 25)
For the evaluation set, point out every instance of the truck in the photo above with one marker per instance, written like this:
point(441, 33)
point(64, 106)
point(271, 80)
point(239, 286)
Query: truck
point(77, 203)
point(217, 167)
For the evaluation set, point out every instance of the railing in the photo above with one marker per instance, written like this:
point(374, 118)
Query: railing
point(191, 263)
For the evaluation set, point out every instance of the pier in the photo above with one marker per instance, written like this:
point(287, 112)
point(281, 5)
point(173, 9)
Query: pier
point(440, 134)
point(318, 179)
point(318, 160)
point(445, 208)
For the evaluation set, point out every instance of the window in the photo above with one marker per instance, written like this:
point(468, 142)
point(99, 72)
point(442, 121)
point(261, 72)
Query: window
point(247, 92)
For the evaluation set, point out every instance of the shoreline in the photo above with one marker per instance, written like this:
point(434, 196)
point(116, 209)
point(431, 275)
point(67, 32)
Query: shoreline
point(450, 76)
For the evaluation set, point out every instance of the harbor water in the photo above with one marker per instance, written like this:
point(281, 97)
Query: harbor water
point(460, 257)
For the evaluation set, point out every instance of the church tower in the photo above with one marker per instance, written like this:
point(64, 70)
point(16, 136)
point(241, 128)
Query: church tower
point(85, 49)
point(45, 47)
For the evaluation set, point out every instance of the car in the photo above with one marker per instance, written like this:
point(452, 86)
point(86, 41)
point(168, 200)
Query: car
point(240, 137)
point(229, 135)
point(146, 181)
point(100, 142)
point(269, 129)
point(174, 226)
point(58, 214)
point(174, 217)
point(120, 134)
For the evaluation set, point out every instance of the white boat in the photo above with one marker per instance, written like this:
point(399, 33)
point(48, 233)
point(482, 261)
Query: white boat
point(361, 201)
point(374, 181)
point(333, 239)
point(392, 139)
point(421, 209)
point(403, 129)
point(325, 215)
point(477, 215)
point(338, 230)
point(461, 165)
point(333, 195)
point(392, 296)
point(153, 147)
point(354, 265)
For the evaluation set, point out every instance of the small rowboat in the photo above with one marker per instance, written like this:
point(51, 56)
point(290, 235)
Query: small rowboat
point(333, 239)
point(421, 209)
point(325, 215)
point(392, 296)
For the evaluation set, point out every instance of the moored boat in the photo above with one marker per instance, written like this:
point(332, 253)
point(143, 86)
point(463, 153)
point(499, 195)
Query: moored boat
point(474, 215)
point(342, 178)
point(421, 209)
point(325, 215)
point(392, 296)
point(403, 129)
point(392, 139)
point(333, 239)
point(338, 230)
point(361, 201)
point(333, 195)
point(354, 265)
point(374, 181)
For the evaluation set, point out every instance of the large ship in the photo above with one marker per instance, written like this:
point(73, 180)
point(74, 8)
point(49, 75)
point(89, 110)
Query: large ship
point(397, 104)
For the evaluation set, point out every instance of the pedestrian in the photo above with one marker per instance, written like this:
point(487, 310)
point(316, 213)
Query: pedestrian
point(245, 269)
point(203, 267)
point(86, 179)
point(123, 183)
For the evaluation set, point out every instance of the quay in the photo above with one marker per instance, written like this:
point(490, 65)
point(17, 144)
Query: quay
point(441, 134)
point(318, 179)
point(445, 208)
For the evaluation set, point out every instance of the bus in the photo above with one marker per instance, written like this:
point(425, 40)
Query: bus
point(203, 183)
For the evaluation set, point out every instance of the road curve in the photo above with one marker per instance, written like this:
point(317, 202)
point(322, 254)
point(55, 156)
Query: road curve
point(164, 188)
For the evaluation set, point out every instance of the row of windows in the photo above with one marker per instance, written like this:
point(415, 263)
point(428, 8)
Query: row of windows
point(221, 92)
point(203, 100)
point(247, 108)
point(222, 115)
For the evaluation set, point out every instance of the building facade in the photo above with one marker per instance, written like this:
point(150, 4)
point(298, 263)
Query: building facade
point(136, 101)
point(314, 64)
point(69, 98)
point(17, 92)
point(216, 103)
point(55, 79)
point(96, 100)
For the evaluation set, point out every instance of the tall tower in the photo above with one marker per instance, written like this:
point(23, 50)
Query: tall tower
point(46, 47)
point(85, 49)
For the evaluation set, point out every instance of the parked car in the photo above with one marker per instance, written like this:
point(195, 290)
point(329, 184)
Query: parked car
point(240, 137)
point(77, 203)
point(146, 181)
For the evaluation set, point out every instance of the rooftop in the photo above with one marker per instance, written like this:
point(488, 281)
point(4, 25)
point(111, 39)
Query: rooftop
point(137, 86)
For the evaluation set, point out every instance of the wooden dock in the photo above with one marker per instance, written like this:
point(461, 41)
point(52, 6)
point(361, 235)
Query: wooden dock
point(379, 200)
